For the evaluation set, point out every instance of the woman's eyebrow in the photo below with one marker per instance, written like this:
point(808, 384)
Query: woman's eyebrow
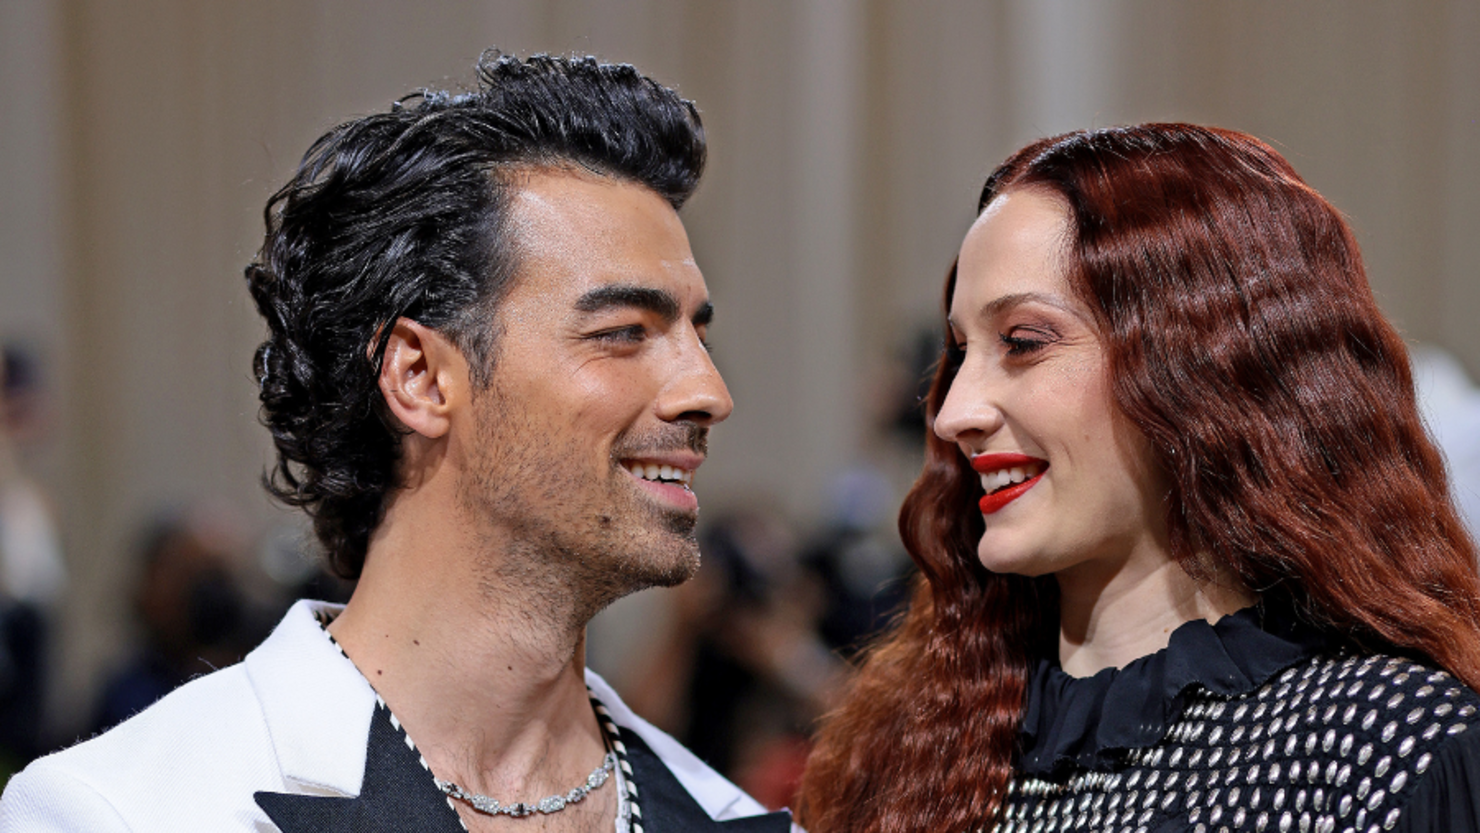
point(997, 305)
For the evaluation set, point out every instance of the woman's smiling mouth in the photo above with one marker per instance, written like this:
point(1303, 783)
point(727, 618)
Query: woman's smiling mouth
point(1006, 477)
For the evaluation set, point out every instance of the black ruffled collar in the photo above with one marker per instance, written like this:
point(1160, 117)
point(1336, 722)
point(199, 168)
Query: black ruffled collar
point(1072, 722)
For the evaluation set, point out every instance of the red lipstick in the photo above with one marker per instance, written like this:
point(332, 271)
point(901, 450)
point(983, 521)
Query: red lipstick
point(984, 463)
point(987, 463)
point(996, 500)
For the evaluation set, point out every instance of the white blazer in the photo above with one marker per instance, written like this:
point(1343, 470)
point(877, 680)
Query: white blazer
point(293, 717)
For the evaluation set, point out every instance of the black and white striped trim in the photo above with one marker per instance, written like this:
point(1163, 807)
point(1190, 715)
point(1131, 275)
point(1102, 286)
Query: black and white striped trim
point(614, 737)
point(423, 761)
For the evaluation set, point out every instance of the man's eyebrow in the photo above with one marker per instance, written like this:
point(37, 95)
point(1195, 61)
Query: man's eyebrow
point(658, 301)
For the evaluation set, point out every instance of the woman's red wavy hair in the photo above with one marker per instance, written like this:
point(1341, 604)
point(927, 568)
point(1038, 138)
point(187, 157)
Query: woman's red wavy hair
point(1244, 342)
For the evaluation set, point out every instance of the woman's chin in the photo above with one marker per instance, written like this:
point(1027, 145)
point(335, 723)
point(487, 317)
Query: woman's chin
point(1006, 561)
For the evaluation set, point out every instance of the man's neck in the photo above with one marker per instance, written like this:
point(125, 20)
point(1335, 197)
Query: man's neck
point(487, 676)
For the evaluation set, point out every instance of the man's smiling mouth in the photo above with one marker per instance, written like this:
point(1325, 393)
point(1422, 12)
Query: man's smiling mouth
point(661, 473)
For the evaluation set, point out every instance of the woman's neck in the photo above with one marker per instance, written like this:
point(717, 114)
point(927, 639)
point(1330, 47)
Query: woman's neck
point(1107, 623)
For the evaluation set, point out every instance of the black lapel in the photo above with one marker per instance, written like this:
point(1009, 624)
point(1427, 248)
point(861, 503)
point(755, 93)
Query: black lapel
point(668, 808)
point(396, 794)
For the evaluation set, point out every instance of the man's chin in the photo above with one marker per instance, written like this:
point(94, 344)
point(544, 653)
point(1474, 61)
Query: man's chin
point(658, 569)
point(665, 555)
point(667, 564)
point(679, 574)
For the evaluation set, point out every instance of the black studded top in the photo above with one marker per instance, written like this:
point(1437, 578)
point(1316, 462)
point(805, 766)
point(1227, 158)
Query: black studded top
point(1333, 741)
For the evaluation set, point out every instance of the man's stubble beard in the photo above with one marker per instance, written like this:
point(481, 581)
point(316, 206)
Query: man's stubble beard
point(564, 550)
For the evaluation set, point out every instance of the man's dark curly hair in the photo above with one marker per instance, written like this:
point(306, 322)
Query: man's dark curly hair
point(405, 214)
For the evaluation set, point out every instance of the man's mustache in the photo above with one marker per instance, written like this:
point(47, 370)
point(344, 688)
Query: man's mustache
point(685, 437)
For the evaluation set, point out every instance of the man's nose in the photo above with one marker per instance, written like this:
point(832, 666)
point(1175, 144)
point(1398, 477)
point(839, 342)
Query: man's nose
point(696, 393)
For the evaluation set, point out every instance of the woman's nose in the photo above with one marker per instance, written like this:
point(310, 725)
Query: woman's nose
point(968, 412)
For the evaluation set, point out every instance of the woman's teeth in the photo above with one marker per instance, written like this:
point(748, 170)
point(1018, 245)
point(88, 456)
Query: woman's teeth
point(669, 474)
point(1002, 478)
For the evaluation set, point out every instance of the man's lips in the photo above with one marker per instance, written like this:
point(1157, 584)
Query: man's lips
point(1006, 477)
point(668, 477)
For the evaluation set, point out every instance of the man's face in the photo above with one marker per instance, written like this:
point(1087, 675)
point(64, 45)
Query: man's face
point(600, 372)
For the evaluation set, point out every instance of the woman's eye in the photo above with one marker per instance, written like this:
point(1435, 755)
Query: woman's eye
point(1019, 343)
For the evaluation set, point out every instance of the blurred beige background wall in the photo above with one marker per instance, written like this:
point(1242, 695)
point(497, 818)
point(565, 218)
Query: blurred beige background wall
point(139, 141)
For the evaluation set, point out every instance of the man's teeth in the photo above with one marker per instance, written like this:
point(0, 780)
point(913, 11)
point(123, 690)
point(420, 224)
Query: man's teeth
point(670, 474)
point(1002, 478)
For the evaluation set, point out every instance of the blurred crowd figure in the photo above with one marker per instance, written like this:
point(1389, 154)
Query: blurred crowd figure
point(207, 592)
point(192, 612)
point(32, 575)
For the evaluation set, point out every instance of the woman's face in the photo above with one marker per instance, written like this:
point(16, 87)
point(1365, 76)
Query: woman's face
point(1069, 482)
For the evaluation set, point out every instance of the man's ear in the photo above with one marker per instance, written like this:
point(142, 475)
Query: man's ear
point(422, 377)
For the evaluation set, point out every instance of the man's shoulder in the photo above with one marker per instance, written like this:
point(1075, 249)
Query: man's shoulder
point(213, 737)
point(164, 760)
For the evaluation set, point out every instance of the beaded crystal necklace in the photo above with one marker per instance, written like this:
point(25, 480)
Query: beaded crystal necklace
point(547, 805)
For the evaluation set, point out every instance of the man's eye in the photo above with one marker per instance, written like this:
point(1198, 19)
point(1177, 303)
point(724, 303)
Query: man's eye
point(630, 334)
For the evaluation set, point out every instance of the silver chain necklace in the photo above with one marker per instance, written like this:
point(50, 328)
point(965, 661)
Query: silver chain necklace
point(547, 805)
